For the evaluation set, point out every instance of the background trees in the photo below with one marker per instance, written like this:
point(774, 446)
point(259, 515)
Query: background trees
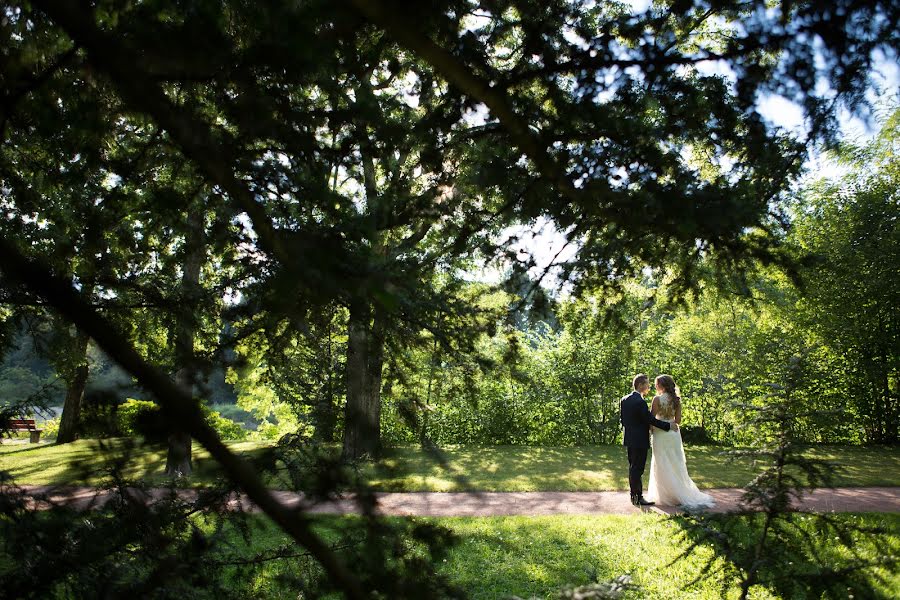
point(850, 226)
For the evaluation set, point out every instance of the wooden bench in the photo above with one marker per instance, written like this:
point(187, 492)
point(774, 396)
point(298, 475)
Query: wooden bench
point(25, 425)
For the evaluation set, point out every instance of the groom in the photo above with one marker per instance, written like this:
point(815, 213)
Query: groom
point(636, 419)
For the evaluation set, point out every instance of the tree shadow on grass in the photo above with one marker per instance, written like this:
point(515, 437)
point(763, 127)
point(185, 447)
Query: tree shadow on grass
point(213, 527)
point(24, 449)
point(51, 464)
point(87, 461)
point(591, 468)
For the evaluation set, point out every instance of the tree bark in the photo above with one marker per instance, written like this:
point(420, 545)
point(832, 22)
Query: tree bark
point(178, 459)
point(374, 381)
point(76, 382)
point(365, 344)
point(355, 445)
point(365, 355)
point(325, 414)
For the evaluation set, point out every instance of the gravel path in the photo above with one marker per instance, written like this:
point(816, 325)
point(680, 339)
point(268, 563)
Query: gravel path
point(482, 504)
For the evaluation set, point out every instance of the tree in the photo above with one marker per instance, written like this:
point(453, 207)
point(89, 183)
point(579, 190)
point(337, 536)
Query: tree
point(55, 182)
point(178, 459)
point(603, 116)
point(851, 229)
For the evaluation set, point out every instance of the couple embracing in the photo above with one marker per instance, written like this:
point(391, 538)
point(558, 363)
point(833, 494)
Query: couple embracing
point(670, 483)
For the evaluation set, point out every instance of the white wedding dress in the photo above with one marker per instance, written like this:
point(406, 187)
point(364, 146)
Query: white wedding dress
point(670, 483)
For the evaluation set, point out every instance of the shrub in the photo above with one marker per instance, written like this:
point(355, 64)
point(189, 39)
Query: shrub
point(98, 414)
point(236, 414)
point(49, 428)
point(695, 434)
point(134, 413)
point(225, 427)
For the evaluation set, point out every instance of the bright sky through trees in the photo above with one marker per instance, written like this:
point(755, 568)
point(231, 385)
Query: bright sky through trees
point(547, 246)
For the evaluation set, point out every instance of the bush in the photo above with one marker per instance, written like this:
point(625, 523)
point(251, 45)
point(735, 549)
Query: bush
point(236, 414)
point(49, 428)
point(99, 416)
point(135, 415)
point(226, 428)
point(132, 412)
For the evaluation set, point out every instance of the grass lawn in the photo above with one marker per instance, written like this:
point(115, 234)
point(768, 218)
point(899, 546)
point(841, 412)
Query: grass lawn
point(535, 556)
point(593, 468)
point(498, 468)
point(524, 556)
point(85, 461)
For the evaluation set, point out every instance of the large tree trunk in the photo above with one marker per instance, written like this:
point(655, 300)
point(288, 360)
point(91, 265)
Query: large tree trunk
point(325, 413)
point(365, 354)
point(76, 381)
point(374, 380)
point(365, 344)
point(355, 438)
point(178, 459)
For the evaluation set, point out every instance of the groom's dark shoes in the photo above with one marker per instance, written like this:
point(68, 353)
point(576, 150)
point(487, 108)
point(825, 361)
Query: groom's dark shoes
point(640, 501)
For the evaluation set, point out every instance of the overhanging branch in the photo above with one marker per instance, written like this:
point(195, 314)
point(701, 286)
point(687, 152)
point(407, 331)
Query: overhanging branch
point(175, 403)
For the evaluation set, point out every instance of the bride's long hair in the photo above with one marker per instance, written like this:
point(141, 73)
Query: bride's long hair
point(667, 382)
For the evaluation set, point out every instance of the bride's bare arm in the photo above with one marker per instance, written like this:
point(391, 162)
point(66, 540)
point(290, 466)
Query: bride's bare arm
point(654, 406)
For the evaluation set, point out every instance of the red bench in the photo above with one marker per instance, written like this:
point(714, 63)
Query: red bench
point(25, 425)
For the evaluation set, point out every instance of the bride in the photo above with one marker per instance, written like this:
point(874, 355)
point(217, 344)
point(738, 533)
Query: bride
point(670, 483)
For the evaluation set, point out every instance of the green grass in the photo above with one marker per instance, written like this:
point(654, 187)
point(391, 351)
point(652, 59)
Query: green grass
point(84, 461)
point(500, 468)
point(500, 556)
point(590, 468)
point(535, 556)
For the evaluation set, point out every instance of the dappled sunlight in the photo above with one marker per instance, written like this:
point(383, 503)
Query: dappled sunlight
point(580, 479)
point(534, 556)
point(89, 461)
point(76, 462)
point(599, 468)
point(518, 468)
point(13, 446)
point(409, 468)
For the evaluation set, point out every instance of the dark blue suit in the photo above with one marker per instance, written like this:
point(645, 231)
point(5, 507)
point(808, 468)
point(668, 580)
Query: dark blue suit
point(636, 419)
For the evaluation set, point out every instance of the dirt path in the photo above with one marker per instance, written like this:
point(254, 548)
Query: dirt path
point(482, 504)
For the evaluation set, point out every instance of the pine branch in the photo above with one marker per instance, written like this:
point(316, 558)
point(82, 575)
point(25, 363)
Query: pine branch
point(177, 405)
point(213, 153)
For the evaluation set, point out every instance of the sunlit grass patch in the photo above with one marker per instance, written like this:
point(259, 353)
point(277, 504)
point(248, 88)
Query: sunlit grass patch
point(494, 468)
point(88, 462)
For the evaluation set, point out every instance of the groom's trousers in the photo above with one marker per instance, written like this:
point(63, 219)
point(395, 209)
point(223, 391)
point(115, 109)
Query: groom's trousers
point(637, 460)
